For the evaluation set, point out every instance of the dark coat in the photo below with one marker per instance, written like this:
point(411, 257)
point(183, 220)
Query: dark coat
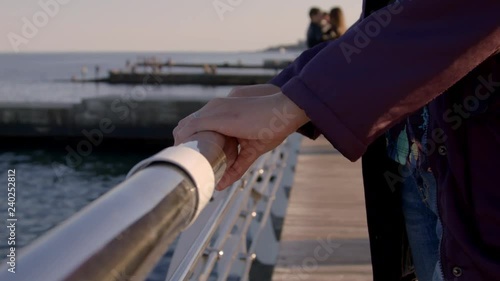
point(389, 248)
point(389, 65)
point(314, 35)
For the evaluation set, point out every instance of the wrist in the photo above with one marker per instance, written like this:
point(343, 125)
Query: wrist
point(254, 91)
point(295, 115)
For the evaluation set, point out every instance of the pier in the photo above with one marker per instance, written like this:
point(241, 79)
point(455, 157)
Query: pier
point(325, 236)
point(151, 71)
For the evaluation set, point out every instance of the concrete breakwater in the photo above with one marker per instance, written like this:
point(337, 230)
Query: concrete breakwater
point(186, 79)
point(151, 71)
point(96, 119)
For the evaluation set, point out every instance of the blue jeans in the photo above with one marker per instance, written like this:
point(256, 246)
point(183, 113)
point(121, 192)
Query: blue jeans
point(419, 202)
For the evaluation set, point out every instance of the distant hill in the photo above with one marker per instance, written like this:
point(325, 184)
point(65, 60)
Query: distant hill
point(299, 46)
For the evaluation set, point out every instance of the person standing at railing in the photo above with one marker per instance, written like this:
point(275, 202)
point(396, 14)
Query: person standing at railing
point(337, 24)
point(315, 30)
point(356, 88)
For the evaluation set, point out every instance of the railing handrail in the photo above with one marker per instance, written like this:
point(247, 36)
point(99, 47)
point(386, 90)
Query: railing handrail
point(125, 232)
point(239, 230)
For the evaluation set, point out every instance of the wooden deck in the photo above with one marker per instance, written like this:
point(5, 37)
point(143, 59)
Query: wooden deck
point(325, 235)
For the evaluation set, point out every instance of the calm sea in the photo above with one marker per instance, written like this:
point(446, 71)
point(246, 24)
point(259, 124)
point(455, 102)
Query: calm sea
point(45, 199)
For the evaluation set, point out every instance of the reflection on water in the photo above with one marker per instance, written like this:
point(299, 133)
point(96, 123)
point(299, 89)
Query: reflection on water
point(43, 199)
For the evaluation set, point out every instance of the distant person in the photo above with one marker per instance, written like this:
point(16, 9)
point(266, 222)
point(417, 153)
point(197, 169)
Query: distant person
point(315, 32)
point(337, 24)
point(97, 70)
point(84, 72)
point(209, 69)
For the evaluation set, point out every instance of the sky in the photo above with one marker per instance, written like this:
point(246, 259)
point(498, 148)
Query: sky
point(157, 25)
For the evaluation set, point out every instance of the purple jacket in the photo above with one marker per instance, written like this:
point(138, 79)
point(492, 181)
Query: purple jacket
point(392, 63)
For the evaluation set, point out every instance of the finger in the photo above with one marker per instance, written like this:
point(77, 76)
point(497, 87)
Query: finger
point(245, 159)
point(224, 183)
point(234, 173)
point(208, 123)
point(177, 138)
point(231, 150)
point(175, 133)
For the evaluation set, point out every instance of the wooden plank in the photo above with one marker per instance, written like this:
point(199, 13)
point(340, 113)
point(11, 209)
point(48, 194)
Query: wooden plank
point(325, 236)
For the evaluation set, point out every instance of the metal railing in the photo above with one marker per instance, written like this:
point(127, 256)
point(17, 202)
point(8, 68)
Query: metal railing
point(123, 234)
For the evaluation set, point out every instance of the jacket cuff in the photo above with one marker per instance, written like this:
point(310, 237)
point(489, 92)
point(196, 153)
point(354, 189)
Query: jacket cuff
point(309, 130)
point(282, 78)
point(324, 119)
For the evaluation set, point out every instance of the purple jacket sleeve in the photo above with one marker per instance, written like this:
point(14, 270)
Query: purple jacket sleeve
point(389, 65)
point(294, 69)
point(308, 130)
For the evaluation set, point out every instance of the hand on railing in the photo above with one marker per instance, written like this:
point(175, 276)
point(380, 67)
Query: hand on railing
point(259, 124)
point(216, 143)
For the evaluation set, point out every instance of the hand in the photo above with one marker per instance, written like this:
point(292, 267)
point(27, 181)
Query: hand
point(259, 124)
point(214, 143)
